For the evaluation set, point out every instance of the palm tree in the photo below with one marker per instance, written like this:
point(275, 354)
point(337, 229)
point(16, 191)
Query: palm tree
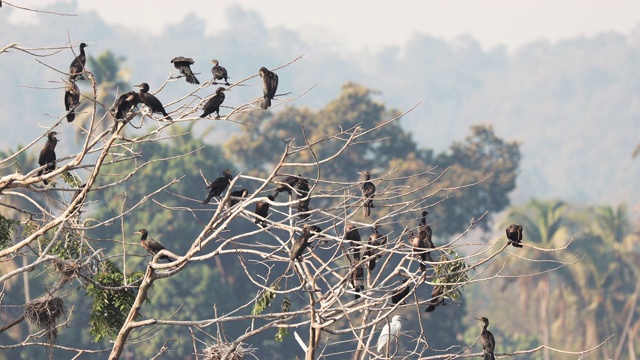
point(544, 224)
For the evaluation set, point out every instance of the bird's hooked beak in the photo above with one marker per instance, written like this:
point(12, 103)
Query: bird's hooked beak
point(137, 232)
point(138, 85)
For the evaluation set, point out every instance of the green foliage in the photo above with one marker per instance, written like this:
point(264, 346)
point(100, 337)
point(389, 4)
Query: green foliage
point(6, 227)
point(109, 308)
point(283, 331)
point(482, 159)
point(71, 179)
point(265, 300)
point(450, 272)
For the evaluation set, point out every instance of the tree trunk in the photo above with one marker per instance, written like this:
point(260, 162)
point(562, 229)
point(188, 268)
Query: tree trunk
point(544, 315)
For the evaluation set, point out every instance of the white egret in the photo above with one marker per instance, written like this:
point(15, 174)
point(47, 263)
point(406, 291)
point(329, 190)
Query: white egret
point(389, 331)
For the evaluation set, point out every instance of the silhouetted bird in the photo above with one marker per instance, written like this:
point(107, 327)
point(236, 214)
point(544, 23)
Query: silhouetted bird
point(300, 244)
point(213, 105)
point(124, 103)
point(368, 192)
point(71, 99)
point(514, 234)
point(219, 73)
point(154, 105)
point(302, 188)
point(183, 64)
point(262, 209)
point(48, 155)
point(375, 240)
point(437, 298)
point(422, 241)
point(152, 246)
point(487, 340)
point(353, 236)
point(242, 193)
point(218, 185)
point(401, 294)
point(286, 185)
point(77, 65)
point(269, 87)
point(357, 279)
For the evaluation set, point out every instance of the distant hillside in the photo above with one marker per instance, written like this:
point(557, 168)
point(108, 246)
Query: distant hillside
point(574, 104)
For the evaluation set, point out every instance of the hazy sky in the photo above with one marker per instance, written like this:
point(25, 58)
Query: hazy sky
point(376, 23)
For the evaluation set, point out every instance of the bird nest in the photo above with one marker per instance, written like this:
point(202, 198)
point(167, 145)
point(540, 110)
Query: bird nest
point(45, 313)
point(217, 350)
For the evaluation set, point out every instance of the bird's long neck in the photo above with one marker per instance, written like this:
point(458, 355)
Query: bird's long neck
point(144, 236)
point(485, 326)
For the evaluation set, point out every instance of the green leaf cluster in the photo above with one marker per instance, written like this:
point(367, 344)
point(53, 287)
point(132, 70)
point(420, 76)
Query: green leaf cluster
point(450, 272)
point(6, 227)
point(265, 300)
point(109, 308)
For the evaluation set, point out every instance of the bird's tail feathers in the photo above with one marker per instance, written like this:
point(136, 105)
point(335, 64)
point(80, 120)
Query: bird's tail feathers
point(266, 103)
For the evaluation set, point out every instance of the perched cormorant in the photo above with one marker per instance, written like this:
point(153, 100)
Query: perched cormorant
point(242, 193)
point(183, 64)
point(286, 185)
point(351, 233)
point(218, 185)
point(48, 155)
point(357, 279)
point(152, 246)
point(422, 241)
point(302, 188)
point(375, 239)
point(368, 192)
point(269, 87)
point(262, 209)
point(401, 294)
point(514, 234)
point(389, 333)
point(71, 99)
point(213, 105)
point(300, 244)
point(436, 298)
point(151, 101)
point(77, 65)
point(487, 340)
point(219, 73)
point(124, 103)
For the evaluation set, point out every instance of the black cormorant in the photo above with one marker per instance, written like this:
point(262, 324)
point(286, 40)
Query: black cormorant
point(514, 234)
point(183, 64)
point(213, 105)
point(219, 73)
point(436, 298)
point(401, 294)
point(357, 279)
point(71, 99)
point(77, 65)
point(422, 241)
point(154, 105)
point(368, 192)
point(262, 209)
point(300, 244)
point(48, 155)
point(286, 185)
point(269, 87)
point(351, 233)
point(487, 340)
point(302, 188)
point(242, 193)
point(125, 103)
point(218, 185)
point(152, 246)
point(375, 240)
